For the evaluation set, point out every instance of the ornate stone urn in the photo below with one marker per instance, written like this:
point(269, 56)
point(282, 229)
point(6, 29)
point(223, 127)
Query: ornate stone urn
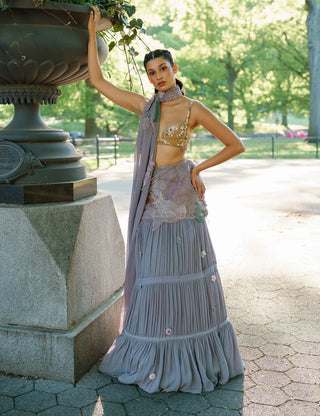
point(62, 264)
point(42, 46)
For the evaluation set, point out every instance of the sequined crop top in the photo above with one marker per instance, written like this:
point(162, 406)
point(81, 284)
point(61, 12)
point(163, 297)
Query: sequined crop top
point(177, 135)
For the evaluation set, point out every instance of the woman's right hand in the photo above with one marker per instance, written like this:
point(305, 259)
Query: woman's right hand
point(94, 19)
point(129, 100)
point(197, 182)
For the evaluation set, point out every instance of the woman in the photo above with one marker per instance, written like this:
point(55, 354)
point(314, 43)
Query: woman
point(175, 335)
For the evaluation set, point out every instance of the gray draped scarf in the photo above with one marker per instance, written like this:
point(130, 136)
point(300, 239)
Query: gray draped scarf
point(144, 162)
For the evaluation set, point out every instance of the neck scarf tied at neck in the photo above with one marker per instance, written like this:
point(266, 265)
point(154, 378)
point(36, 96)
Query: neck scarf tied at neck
point(144, 161)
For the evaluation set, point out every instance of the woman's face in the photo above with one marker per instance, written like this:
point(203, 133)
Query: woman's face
point(161, 74)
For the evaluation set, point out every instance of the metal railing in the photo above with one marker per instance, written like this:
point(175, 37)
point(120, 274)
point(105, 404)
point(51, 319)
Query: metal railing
point(267, 146)
point(105, 148)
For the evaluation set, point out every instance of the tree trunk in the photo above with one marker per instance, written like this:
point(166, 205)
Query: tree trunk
point(109, 132)
point(231, 77)
point(284, 118)
point(249, 123)
point(93, 98)
point(91, 128)
point(230, 111)
point(313, 23)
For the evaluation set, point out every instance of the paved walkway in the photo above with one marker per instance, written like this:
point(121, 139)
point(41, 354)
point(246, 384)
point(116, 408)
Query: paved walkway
point(264, 218)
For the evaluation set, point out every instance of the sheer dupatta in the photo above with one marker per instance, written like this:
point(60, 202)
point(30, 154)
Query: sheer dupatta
point(144, 162)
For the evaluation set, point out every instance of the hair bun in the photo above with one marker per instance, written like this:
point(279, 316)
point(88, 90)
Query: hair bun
point(180, 85)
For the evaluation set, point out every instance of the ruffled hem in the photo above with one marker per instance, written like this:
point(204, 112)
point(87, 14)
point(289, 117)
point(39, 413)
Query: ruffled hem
point(176, 334)
point(191, 364)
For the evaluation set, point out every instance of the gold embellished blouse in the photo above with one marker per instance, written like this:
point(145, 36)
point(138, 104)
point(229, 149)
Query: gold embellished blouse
point(178, 135)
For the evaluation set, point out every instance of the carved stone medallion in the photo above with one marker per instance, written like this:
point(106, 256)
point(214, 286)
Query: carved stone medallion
point(16, 162)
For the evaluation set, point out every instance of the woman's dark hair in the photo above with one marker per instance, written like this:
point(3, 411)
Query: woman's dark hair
point(161, 53)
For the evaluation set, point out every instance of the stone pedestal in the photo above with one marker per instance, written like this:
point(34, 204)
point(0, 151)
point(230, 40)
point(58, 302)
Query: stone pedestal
point(62, 268)
point(47, 193)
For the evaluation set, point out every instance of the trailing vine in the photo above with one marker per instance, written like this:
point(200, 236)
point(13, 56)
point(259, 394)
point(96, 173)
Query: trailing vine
point(126, 27)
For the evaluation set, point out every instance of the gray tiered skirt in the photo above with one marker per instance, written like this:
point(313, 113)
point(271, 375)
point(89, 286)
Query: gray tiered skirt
point(176, 334)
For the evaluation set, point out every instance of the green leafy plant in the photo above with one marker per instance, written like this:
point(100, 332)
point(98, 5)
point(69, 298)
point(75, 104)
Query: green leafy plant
point(126, 27)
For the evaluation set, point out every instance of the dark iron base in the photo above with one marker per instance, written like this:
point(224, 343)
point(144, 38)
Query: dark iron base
point(46, 193)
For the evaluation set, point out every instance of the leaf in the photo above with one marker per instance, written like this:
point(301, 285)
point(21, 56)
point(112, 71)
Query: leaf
point(132, 23)
point(14, 43)
point(129, 8)
point(124, 19)
point(132, 51)
point(136, 23)
point(116, 27)
point(111, 45)
point(127, 40)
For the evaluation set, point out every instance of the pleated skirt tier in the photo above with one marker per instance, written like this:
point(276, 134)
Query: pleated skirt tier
point(176, 334)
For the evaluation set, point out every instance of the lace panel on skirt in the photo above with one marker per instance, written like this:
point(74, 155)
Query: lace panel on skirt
point(172, 196)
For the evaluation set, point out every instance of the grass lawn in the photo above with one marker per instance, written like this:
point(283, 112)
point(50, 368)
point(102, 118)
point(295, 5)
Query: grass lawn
point(88, 148)
point(257, 148)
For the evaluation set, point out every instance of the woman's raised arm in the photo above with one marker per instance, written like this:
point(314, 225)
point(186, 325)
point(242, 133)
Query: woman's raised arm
point(129, 100)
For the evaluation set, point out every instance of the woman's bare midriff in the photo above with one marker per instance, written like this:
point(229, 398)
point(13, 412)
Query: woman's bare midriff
point(167, 155)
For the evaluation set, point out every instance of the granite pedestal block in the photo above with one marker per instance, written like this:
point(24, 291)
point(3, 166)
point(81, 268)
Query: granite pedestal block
point(62, 269)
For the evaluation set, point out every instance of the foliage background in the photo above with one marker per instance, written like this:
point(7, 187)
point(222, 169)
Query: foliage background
point(246, 60)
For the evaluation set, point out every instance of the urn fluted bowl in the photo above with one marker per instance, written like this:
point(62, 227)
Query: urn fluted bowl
point(43, 45)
